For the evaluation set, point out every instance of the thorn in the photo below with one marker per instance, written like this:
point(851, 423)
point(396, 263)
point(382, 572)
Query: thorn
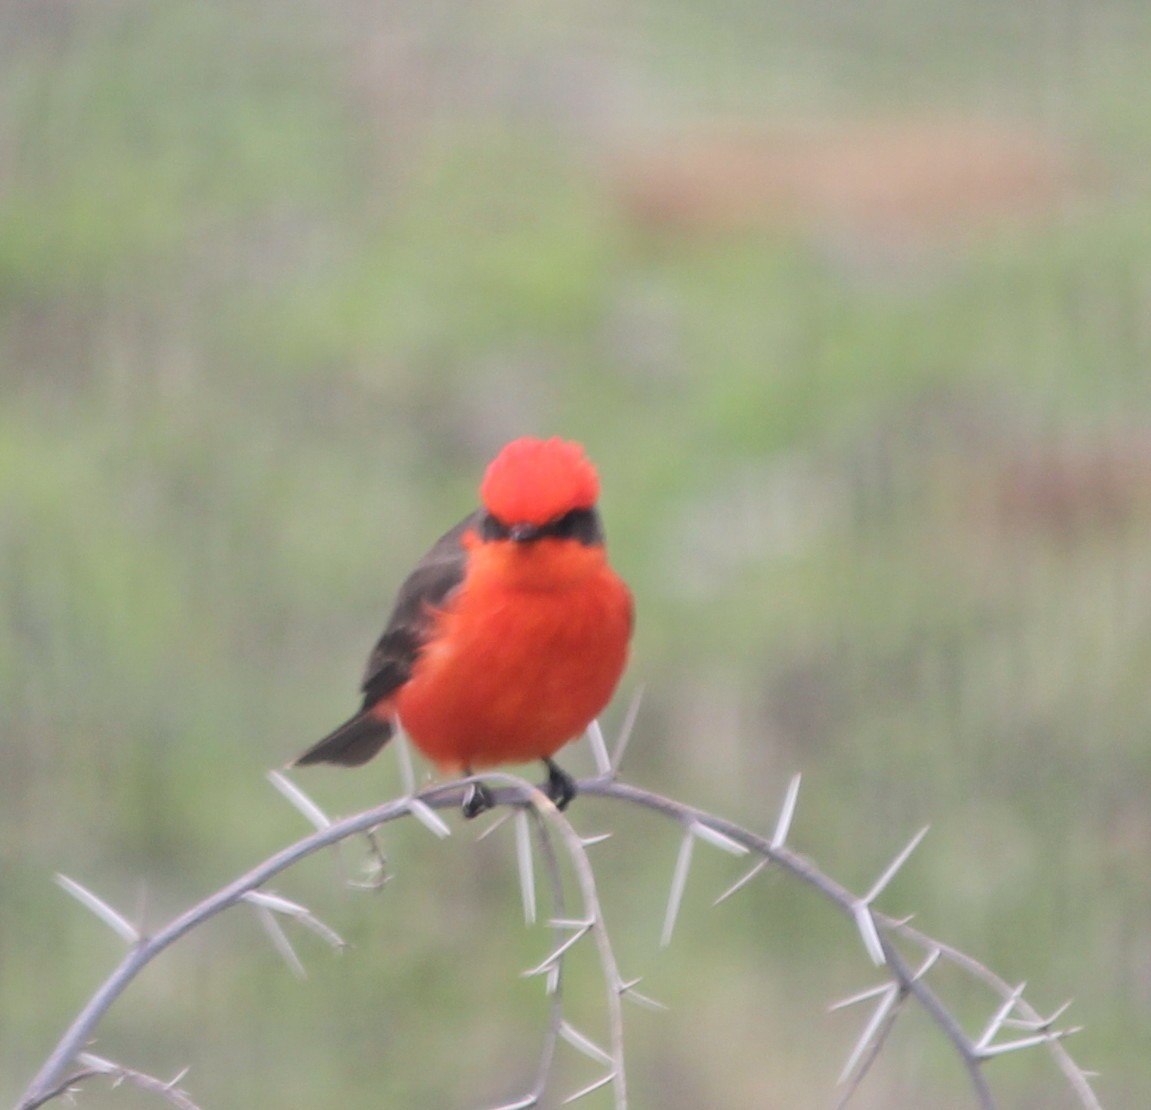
point(783, 825)
point(275, 904)
point(429, 818)
point(549, 961)
point(741, 883)
point(592, 841)
point(580, 924)
point(986, 1052)
point(626, 730)
point(119, 924)
point(280, 941)
point(96, 1063)
point(928, 964)
point(504, 815)
point(141, 914)
point(862, 996)
point(1042, 1023)
point(598, 748)
point(404, 759)
point(1000, 1015)
point(717, 839)
point(584, 1044)
point(591, 1088)
point(894, 866)
point(865, 923)
point(526, 868)
point(678, 885)
point(890, 996)
point(299, 799)
point(627, 990)
point(522, 1104)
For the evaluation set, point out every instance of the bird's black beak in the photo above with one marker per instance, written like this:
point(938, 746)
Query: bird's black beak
point(524, 533)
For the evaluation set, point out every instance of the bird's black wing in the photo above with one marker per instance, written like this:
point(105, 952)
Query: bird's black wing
point(434, 579)
point(390, 665)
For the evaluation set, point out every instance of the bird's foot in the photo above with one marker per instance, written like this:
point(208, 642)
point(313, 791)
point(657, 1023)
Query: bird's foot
point(560, 787)
point(477, 799)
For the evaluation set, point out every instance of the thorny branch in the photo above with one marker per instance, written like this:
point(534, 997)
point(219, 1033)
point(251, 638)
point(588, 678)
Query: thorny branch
point(68, 1063)
point(93, 1066)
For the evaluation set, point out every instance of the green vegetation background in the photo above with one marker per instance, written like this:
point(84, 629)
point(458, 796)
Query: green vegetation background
point(275, 280)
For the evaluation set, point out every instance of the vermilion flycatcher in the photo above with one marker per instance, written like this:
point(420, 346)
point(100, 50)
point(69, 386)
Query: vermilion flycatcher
point(509, 636)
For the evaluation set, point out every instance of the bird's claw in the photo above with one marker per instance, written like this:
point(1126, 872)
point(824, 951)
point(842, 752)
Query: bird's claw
point(560, 787)
point(477, 799)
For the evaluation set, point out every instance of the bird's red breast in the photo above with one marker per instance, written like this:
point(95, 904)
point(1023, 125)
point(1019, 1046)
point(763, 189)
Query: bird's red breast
point(528, 651)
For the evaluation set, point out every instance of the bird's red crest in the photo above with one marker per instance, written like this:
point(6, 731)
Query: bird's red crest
point(532, 481)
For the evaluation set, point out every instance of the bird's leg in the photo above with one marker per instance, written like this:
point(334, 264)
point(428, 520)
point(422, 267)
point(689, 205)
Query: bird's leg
point(560, 787)
point(477, 798)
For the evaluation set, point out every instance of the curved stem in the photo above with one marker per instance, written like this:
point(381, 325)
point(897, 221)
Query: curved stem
point(49, 1081)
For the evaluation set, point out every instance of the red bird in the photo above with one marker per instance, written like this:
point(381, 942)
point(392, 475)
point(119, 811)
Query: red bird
point(509, 636)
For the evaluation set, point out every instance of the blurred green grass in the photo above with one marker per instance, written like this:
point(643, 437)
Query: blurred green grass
point(273, 285)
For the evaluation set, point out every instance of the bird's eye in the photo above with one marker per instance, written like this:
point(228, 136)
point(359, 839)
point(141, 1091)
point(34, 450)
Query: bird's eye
point(492, 528)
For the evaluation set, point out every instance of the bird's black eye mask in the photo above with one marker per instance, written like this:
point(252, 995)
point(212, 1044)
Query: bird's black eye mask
point(581, 525)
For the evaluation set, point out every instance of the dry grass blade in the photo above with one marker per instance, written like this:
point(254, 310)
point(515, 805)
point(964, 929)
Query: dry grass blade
point(166, 1089)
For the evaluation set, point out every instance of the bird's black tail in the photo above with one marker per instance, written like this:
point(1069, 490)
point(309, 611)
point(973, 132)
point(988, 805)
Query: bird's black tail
point(353, 743)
